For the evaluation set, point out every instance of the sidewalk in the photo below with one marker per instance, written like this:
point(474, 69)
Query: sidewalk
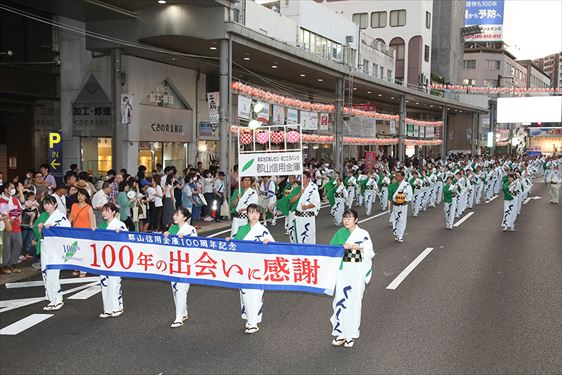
point(27, 271)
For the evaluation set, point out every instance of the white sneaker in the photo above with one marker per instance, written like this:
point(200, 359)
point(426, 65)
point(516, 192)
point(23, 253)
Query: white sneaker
point(348, 343)
point(117, 313)
point(399, 240)
point(265, 223)
point(105, 315)
point(273, 222)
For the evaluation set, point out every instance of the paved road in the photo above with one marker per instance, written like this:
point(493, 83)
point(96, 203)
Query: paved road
point(482, 301)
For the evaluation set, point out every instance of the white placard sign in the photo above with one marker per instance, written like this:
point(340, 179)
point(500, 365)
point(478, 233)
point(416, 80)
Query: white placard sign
point(309, 120)
point(429, 132)
point(213, 101)
point(392, 125)
point(270, 163)
point(292, 116)
point(278, 115)
point(244, 104)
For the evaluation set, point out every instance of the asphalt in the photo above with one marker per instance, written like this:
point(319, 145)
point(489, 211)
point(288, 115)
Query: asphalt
point(482, 302)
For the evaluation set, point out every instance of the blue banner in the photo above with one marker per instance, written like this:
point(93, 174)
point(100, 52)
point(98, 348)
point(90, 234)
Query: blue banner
point(197, 260)
point(484, 12)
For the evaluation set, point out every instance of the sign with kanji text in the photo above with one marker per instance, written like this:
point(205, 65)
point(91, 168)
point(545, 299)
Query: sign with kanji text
point(213, 101)
point(488, 14)
point(270, 163)
point(54, 154)
point(195, 260)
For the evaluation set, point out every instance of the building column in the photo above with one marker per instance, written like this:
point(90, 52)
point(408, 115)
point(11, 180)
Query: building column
point(117, 147)
point(224, 107)
point(338, 127)
point(474, 139)
point(493, 125)
point(444, 135)
point(402, 129)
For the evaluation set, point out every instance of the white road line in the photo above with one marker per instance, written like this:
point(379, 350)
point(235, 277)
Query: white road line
point(494, 197)
point(463, 219)
point(87, 293)
point(23, 324)
point(394, 284)
point(12, 304)
point(278, 217)
point(27, 284)
point(373, 217)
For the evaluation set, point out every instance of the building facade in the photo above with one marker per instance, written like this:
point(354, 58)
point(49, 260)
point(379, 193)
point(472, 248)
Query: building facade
point(492, 68)
point(536, 78)
point(447, 47)
point(551, 65)
point(404, 25)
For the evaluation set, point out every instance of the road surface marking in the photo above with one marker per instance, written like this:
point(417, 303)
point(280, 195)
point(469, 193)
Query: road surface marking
point(394, 284)
point(27, 284)
point(494, 197)
point(23, 324)
point(530, 199)
point(87, 293)
point(463, 219)
point(373, 217)
point(278, 217)
point(17, 303)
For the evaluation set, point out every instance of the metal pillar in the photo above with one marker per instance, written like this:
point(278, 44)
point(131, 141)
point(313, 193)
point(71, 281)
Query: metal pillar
point(224, 107)
point(402, 129)
point(444, 135)
point(493, 125)
point(338, 127)
point(474, 140)
point(116, 146)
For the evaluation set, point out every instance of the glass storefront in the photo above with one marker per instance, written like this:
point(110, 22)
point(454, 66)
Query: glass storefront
point(96, 155)
point(165, 153)
point(207, 151)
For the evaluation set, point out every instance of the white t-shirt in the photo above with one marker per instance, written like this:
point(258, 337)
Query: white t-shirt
point(207, 185)
point(155, 195)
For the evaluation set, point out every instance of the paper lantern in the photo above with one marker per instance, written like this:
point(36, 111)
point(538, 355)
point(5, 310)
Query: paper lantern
point(277, 137)
point(262, 137)
point(293, 136)
point(246, 138)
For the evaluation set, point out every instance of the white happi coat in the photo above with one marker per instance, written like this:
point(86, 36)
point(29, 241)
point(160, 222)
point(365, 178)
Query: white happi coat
point(370, 194)
point(251, 300)
point(180, 290)
point(400, 213)
point(267, 197)
point(51, 277)
point(111, 292)
point(350, 285)
point(250, 196)
point(339, 206)
point(305, 227)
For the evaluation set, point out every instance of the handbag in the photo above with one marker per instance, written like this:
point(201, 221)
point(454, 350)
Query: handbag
point(225, 208)
point(203, 200)
point(7, 224)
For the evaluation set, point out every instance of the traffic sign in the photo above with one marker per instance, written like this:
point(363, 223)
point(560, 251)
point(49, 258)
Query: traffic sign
point(54, 154)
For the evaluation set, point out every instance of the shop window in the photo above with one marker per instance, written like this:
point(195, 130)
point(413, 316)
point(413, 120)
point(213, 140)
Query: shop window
point(427, 20)
point(96, 155)
point(426, 53)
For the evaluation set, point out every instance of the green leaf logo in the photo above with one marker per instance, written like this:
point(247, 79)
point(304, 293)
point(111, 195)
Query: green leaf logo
point(248, 165)
point(69, 251)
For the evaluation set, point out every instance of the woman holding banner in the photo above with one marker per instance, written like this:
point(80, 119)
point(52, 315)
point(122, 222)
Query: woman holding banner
point(355, 272)
point(51, 277)
point(111, 293)
point(251, 300)
point(180, 228)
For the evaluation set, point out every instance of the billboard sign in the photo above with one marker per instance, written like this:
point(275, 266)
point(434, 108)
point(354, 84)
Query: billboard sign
point(489, 15)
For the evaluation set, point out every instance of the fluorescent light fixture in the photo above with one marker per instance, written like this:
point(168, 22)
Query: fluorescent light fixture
point(320, 80)
point(274, 66)
point(303, 75)
point(246, 58)
point(161, 1)
point(212, 48)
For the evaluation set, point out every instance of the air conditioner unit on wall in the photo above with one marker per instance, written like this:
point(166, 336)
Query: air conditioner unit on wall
point(349, 39)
